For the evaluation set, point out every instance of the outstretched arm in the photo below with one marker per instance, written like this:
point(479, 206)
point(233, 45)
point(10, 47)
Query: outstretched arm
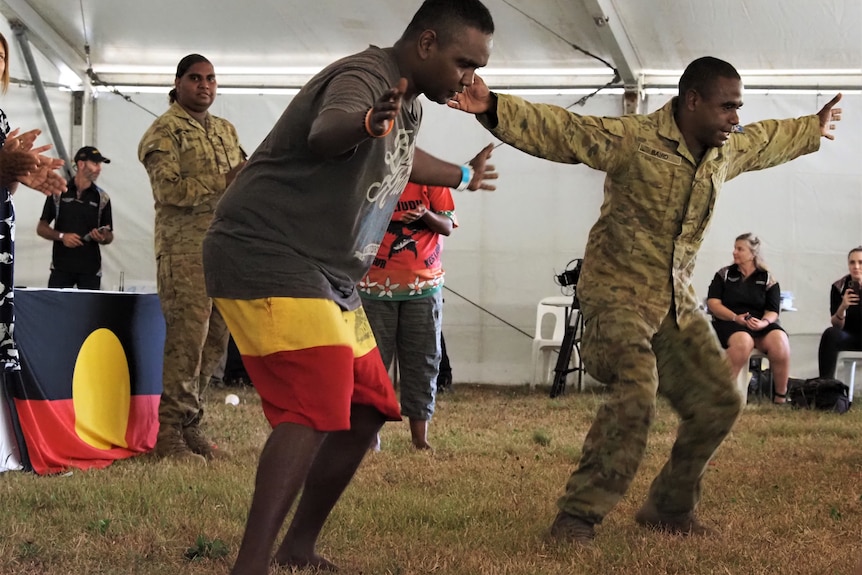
point(433, 171)
point(335, 132)
point(476, 98)
point(828, 115)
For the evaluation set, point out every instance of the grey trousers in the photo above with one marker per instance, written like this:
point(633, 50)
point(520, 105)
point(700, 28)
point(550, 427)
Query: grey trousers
point(410, 331)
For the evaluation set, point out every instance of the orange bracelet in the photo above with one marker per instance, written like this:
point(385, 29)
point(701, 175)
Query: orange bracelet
point(368, 129)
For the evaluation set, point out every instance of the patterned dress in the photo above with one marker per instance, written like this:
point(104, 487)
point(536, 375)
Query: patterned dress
point(8, 351)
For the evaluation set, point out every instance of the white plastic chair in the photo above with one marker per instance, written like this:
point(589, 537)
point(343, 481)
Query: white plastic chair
point(845, 357)
point(544, 345)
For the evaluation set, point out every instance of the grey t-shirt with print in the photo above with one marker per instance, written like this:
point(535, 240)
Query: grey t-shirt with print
point(295, 225)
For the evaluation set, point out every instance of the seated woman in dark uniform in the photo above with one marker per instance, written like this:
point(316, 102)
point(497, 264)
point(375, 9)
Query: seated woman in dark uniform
point(744, 301)
point(846, 331)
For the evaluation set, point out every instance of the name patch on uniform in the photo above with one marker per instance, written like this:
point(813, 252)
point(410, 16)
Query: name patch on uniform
point(664, 156)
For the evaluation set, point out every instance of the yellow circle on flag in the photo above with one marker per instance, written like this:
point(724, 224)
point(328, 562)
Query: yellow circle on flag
point(101, 391)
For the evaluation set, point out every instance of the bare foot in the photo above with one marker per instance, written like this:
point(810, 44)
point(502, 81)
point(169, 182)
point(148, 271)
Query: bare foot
point(419, 434)
point(422, 444)
point(315, 562)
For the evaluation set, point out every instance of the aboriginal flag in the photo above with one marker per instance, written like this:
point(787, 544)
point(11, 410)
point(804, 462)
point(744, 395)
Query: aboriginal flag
point(91, 376)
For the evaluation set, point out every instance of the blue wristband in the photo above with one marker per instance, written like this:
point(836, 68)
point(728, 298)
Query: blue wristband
point(466, 177)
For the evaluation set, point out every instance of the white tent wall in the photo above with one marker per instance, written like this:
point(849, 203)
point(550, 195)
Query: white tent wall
point(511, 242)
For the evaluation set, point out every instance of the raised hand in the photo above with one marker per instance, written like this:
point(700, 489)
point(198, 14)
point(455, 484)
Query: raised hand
point(475, 99)
point(829, 114)
point(384, 111)
point(483, 171)
point(23, 142)
point(44, 178)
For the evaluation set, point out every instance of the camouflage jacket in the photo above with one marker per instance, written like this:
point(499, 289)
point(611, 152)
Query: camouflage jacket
point(187, 165)
point(658, 201)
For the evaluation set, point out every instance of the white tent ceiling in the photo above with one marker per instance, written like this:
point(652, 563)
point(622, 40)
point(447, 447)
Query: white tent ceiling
point(636, 36)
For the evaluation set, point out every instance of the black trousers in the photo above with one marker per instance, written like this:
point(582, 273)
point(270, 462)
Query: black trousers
point(832, 341)
point(61, 279)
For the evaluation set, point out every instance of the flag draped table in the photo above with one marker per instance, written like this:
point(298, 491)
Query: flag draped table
point(91, 376)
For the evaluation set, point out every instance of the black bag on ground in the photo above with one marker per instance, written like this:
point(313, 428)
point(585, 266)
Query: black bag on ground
point(822, 393)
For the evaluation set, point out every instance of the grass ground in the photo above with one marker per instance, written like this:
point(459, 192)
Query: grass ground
point(784, 493)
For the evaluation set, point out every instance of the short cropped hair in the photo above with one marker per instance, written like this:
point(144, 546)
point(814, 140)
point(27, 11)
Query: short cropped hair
point(701, 74)
point(183, 67)
point(447, 17)
point(853, 251)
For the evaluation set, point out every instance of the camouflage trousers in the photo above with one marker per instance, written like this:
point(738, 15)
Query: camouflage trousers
point(636, 360)
point(195, 337)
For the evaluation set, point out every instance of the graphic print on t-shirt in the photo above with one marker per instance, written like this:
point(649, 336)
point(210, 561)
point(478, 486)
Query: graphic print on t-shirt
point(403, 237)
point(399, 161)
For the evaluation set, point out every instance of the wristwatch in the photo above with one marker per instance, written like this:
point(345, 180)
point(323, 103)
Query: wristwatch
point(61, 237)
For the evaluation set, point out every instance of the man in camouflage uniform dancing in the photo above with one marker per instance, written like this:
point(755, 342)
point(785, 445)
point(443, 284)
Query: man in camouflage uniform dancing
point(643, 332)
point(191, 156)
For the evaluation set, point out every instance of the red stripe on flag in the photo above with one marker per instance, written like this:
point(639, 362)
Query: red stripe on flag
point(53, 445)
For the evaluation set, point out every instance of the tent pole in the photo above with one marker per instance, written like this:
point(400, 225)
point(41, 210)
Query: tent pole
point(23, 42)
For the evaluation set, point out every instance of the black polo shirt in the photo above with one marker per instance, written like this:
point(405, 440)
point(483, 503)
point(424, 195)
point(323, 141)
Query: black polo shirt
point(756, 294)
point(77, 216)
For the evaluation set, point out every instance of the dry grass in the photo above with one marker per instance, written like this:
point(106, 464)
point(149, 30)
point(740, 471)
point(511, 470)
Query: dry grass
point(784, 492)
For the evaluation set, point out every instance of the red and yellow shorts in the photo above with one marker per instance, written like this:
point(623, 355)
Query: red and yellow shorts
point(309, 360)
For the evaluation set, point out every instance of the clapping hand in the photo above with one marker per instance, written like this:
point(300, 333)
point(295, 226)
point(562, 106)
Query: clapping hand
point(16, 160)
point(21, 162)
point(44, 178)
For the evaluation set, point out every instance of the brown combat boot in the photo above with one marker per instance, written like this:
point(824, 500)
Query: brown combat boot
point(170, 444)
point(198, 443)
point(676, 523)
point(569, 528)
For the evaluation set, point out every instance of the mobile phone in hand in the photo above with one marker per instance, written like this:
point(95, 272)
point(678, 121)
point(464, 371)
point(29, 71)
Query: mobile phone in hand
point(101, 230)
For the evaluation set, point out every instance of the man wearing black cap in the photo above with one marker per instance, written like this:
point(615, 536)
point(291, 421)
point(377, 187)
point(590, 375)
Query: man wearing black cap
point(82, 221)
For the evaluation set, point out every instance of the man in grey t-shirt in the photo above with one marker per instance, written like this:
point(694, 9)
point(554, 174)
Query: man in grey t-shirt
point(295, 233)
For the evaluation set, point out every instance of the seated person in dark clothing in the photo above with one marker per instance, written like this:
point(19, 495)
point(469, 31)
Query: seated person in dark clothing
point(846, 331)
point(744, 301)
